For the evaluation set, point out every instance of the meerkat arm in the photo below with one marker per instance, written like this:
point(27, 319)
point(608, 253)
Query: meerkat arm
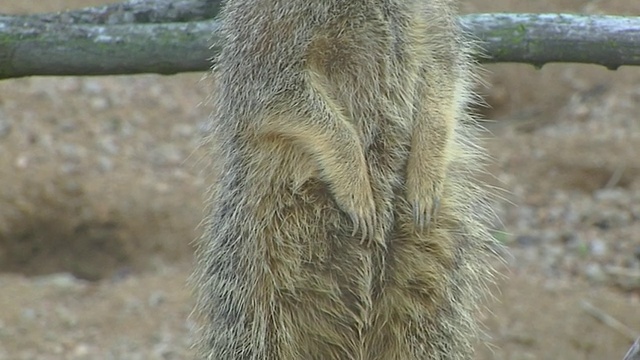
point(435, 120)
point(334, 144)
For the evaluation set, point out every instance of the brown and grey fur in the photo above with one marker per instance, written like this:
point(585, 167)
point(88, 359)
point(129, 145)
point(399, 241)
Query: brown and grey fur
point(343, 222)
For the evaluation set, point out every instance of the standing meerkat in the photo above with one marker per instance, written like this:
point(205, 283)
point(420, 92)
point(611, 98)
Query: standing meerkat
point(342, 222)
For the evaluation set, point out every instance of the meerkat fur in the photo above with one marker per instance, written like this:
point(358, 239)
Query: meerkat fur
point(344, 221)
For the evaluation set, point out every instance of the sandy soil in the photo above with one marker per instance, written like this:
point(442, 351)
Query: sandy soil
point(102, 193)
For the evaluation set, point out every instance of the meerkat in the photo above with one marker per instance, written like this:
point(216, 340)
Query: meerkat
point(343, 221)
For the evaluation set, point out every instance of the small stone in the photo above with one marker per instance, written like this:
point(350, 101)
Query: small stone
point(81, 350)
point(92, 86)
point(205, 127)
point(598, 248)
point(29, 314)
point(61, 280)
point(105, 164)
point(613, 195)
point(109, 146)
point(157, 298)
point(594, 272)
point(527, 240)
point(99, 103)
point(22, 162)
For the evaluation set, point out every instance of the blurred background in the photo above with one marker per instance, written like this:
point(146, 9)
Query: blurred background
point(101, 183)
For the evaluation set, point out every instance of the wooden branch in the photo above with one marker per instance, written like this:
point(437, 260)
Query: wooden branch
point(538, 39)
point(634, 351)
point(41, 48)
point(135, 11)
point(138, 39)
point(608, 320)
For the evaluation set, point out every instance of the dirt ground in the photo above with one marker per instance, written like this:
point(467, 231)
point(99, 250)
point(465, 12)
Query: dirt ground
point(101, 195)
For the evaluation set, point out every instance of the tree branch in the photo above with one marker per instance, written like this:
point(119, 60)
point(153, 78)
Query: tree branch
point(538, 39)
point(145, 36)
point(634, 351)
point(40, 48)
point(135, 12)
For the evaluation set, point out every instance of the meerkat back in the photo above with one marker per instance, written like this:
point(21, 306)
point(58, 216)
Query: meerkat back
point(342, 222)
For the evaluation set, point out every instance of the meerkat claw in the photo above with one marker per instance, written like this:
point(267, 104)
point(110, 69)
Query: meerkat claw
point(355, 219)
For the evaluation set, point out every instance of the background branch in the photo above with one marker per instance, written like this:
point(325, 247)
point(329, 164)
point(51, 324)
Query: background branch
point(136, 11)
point(41, 48)
point(168, 37)
point(634, 351)
point(538, 39)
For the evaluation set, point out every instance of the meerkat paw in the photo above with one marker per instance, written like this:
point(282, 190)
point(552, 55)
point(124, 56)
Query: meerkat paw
point(364, 220)
point(424, 194)
point(358, 203)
